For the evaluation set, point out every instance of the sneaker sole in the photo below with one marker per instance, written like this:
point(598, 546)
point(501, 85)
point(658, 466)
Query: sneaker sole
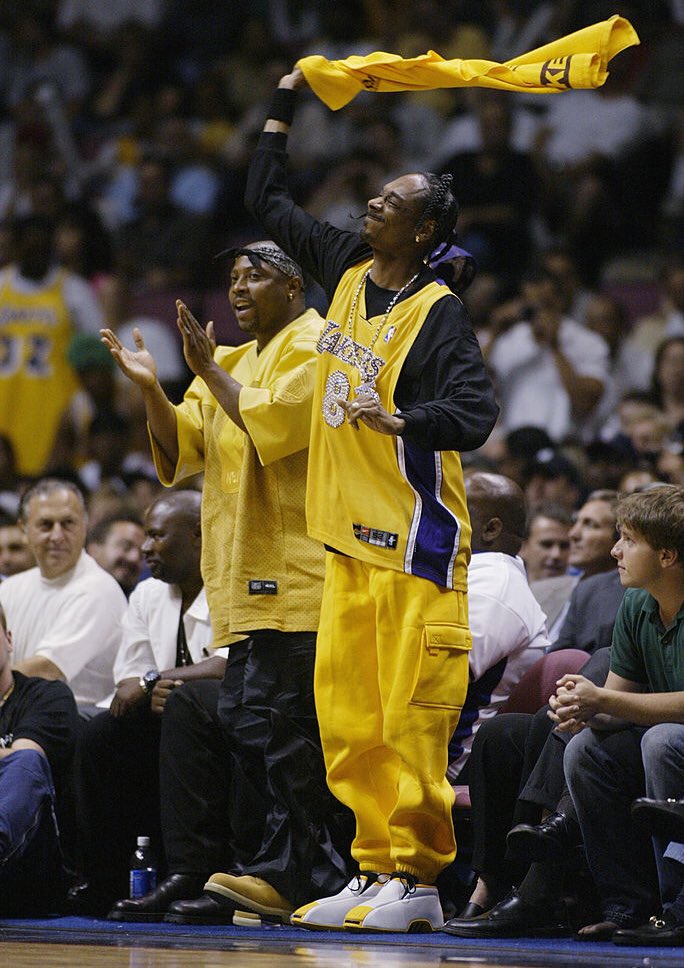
point(419, 926)
point(310, 926)
point(247, 905)
point(250, 919)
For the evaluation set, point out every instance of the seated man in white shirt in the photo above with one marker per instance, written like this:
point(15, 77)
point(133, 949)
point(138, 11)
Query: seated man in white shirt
point(506, 622)
point(65, 614)
point(167, 641)
point(549, 369)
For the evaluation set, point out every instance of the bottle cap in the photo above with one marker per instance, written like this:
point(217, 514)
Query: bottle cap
point(143, 841)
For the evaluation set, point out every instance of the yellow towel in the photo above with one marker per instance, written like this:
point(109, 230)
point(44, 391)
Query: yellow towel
point(576, 61)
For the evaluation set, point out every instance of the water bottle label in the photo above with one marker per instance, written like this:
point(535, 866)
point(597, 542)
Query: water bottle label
point(142, 881)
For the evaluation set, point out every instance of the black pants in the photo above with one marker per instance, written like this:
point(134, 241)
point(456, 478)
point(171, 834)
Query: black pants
point(516, 769)
point(118, 794)
point(195, 782)
point(266, 707)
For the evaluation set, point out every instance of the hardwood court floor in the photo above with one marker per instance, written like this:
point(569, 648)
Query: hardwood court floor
point(28, 955)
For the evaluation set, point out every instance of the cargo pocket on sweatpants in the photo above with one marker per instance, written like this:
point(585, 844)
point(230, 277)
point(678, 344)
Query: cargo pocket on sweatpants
point(442, 673)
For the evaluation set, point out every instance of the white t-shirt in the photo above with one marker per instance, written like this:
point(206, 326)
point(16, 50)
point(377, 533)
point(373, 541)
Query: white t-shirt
point(529, 386)
point(509, 634)
point(74, 621)
point(150, 630)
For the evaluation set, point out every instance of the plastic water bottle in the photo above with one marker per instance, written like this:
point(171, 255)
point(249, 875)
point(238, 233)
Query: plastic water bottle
point(143, 869)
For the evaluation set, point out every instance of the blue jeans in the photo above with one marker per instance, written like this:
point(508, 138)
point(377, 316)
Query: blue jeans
point(31, 874)
point(662, 750)
point(605, 772)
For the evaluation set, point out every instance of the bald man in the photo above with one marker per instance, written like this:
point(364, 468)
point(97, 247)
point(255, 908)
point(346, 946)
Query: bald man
point(506, 622)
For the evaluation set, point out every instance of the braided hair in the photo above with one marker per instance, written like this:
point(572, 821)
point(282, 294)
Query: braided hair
point(440, 206)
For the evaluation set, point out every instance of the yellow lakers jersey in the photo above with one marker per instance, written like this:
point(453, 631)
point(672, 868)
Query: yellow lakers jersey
point(36, 379)
point(373, 496)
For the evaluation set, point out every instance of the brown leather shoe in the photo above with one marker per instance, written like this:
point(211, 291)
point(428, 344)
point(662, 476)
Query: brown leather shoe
point(248, 893)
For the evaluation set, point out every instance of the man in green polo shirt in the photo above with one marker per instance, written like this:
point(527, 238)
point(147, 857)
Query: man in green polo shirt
point(635, 740)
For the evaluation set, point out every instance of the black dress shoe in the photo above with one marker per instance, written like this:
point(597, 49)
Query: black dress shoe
point(84, 900)
point(153, 906)
point(665, 818)
point(512, 918)
point(549, 840)
point(207, 909)
point(662, 930)
point(471, 910)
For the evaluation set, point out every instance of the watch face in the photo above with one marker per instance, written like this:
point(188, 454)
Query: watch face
point(150, 679)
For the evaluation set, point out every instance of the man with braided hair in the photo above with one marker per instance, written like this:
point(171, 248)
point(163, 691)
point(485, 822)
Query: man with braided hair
point(400, 389)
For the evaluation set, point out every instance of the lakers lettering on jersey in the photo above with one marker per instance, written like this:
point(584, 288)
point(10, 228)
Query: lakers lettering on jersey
point(36, 380)
point(380, 498)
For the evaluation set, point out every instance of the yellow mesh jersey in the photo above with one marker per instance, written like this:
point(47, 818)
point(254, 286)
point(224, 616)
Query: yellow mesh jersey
point(372, 496)
point(260, 568)
point(36, 379)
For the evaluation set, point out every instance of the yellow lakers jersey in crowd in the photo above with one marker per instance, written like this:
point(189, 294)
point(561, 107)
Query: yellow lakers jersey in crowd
point(36, 379)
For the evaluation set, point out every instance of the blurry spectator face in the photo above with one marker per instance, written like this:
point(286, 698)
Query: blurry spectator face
point(15, 554)
point(153, 186)
point(671, 368)
point(675, 286)
point(541, 489)
point(55, 529)
point(546, 549)
point(635, 480)
point(671, 461)
point(605, 317)
point(591, 538)
point(121, 553)
point(647, 435)
point(632, 412)
point(34, 251)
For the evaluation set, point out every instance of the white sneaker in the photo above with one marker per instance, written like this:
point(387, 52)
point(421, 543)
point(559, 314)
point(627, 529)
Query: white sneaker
point(401, 905)
point(328, 913)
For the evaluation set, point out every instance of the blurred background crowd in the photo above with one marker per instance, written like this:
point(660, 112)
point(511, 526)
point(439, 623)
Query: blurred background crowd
point(125, 133)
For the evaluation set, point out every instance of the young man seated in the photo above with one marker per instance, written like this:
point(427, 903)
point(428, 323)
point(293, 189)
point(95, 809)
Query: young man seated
point(630, 732)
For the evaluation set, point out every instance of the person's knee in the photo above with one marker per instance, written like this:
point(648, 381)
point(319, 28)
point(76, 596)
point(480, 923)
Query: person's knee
point(657, 740)
point(27, 772)
point(576, 754)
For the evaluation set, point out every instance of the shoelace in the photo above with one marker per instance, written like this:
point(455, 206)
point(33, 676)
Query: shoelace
point(359, 887)
point(408, 880)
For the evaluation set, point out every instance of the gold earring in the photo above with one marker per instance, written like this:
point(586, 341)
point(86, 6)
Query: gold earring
point(417, 238)
point(290, 296)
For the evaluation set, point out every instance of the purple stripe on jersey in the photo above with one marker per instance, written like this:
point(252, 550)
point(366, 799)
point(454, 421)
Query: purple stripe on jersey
point(434, 536)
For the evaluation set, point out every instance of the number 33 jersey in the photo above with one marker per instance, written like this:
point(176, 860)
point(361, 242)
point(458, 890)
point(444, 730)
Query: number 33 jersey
point(36, 379)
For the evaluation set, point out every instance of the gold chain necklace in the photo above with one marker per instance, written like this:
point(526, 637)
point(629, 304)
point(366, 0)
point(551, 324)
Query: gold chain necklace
point(367, 388)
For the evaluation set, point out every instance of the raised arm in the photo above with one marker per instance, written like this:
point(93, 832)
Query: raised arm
point(321, 249)
point(198, 349)
point(140, 368)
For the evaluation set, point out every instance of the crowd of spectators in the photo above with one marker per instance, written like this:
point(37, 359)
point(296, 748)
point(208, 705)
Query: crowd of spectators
point(125, 134)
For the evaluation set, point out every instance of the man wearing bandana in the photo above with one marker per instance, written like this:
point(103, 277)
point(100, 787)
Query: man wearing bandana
point(245, 423)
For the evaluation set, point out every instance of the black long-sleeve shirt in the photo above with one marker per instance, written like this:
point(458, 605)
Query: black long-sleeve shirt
point(443, 392)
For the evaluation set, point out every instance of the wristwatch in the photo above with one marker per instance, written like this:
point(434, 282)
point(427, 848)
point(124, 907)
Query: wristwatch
point(149, 681)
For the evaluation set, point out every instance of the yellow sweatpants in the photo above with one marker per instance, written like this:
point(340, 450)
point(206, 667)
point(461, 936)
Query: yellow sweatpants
point(390, 679)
